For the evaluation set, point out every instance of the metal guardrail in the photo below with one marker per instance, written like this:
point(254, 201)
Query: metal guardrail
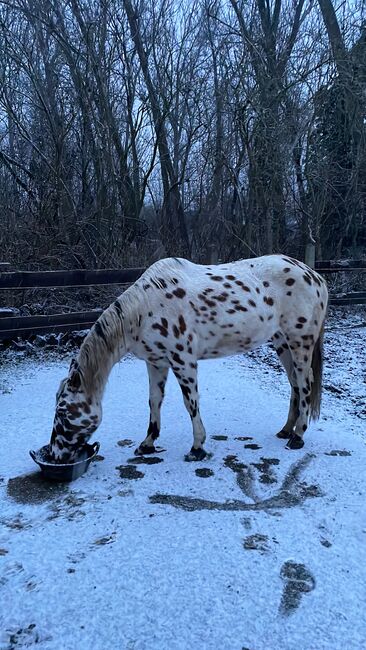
point(12, 327)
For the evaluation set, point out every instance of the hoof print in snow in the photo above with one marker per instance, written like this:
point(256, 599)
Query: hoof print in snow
point(252, 446)
point(142, 460)
point(102, 541)
point(338, 452)
point(130, 472)
point(295, 442)
point(204, 472)
point(219, 437)
point(25, 637)
point(125, 493)
point(326, 543)
point(99, 458)
point(18, 523)
point(232, 462)
point(75, 558)
point(298, 581)
point(310, 490)
point(195, 455)
point(256, 542)
point(125, 443)
point(265, 469)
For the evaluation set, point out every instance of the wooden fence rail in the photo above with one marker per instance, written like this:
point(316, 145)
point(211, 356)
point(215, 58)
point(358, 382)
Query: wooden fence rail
point(65, 279)
point(12, 327)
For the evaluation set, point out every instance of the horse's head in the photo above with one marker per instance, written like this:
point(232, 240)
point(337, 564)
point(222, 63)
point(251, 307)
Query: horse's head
point(77, 416)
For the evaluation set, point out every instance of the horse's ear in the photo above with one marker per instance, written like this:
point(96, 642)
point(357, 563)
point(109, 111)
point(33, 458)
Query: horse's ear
point(75, 379)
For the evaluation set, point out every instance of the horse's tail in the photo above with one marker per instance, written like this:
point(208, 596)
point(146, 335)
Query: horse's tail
point(317, 368)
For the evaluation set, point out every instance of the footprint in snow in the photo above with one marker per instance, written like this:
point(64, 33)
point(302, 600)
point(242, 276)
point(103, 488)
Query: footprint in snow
point(204, 472)
point(256, 542)
point(130, 472)
point(298, 581)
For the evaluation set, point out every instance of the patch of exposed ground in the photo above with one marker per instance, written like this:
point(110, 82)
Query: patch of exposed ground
point(33, 488)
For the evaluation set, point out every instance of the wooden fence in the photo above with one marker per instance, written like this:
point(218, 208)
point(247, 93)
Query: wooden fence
point(12, 327)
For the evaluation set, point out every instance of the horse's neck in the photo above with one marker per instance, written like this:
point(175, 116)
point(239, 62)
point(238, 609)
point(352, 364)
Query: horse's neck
point(104, 346)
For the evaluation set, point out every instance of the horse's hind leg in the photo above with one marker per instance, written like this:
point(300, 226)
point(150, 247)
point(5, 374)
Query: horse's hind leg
point(157, 381)
point(284, 354)
point(187, 379)
point(302, 358)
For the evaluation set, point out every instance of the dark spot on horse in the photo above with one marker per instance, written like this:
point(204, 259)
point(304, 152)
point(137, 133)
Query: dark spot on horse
point(186, 391)
point(99, 331)
point(221, 297)
point(118, 308)
point(177, 358)
point(252, 303)
point(265, 283)
point(162, 329)
point(153, 430)
point(217, 278)
point(169, 295)
point(290, 282)
point(182, 324)
point(179, 293)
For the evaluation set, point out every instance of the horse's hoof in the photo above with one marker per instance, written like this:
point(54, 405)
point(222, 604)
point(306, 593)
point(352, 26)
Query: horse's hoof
point(295, 442)
point(195, 454)
point(143, 450)
point(283, 434)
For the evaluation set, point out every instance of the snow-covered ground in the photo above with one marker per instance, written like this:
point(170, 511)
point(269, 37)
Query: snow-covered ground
point(257, 548)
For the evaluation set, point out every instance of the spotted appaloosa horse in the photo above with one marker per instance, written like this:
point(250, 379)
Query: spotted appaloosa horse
point(179, 312)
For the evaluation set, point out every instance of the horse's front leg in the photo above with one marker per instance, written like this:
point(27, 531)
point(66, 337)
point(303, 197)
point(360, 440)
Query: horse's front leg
point(187, 379)
point(157, 381)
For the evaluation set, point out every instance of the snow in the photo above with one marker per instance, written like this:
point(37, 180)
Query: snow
point(246, 558)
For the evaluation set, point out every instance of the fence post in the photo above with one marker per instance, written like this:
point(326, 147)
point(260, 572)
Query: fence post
point(214, 254)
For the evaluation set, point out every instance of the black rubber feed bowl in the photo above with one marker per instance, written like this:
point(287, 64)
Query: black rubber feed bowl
point(67, 471)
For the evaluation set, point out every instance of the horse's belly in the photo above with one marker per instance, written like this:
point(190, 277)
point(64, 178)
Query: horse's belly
point(224, 346)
